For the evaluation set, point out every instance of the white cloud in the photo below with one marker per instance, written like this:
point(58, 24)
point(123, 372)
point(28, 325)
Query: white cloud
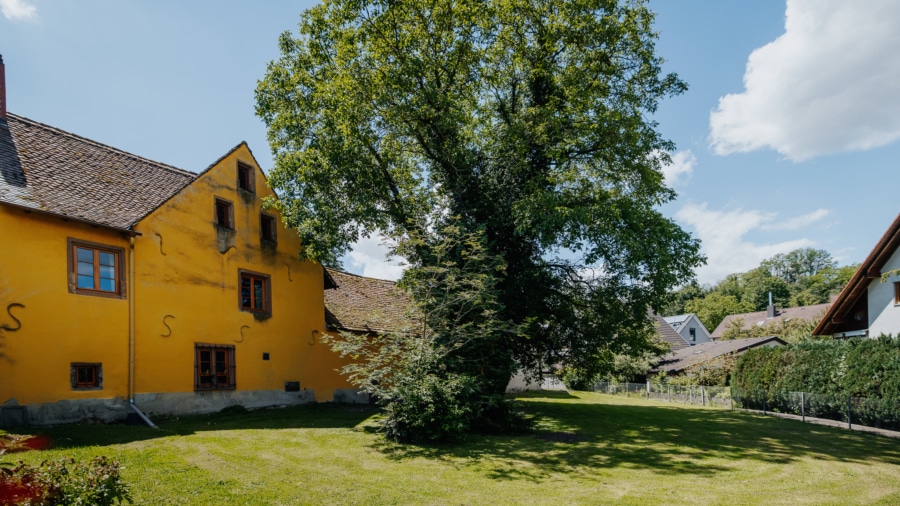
point(369, 258)
point(17, 9)
point(798, 222)
point(722, 238)
point(680, 169)
point(827, 85)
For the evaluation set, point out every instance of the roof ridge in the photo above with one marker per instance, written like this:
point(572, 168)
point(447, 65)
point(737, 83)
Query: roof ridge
point(98, 144)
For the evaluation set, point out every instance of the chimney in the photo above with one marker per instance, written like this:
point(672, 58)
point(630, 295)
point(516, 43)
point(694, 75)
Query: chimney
point(2, 89)
point(770, 311)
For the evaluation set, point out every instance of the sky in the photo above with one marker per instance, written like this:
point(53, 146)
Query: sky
point(786, 137)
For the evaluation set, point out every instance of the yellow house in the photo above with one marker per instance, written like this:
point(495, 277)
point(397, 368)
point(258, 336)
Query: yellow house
point(124, 281)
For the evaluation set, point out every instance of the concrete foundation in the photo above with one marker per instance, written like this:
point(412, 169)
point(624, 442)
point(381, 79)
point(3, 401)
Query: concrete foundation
point(70, 411)
point(195, 403)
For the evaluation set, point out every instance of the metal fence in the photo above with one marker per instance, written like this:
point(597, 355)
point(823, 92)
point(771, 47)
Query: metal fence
point(870, 412)
point(698, 395)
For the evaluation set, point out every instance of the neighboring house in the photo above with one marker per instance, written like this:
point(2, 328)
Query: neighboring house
point(869, 305)
point(770, 315)
point(124, 280)
point(683, 359)
point(689, 327)
point(668, 334)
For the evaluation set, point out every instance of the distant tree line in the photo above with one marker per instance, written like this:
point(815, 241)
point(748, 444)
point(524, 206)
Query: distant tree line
point(802, 277)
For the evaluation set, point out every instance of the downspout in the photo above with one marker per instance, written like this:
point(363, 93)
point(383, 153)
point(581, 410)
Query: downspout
point(131, 335)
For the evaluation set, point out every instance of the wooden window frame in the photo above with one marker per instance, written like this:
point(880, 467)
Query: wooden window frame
point(247, 183)
point(267, 292)
point(272, 237)
point(96, 369)
point(213, 374)
point(72, 261)
point(896, 293)
point(228, 206)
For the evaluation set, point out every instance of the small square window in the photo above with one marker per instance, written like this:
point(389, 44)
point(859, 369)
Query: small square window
point(255, 292)
point(86, 376)
point(96, 269)
point(214, 367)
point(245, 177)
point(267, 228)
point(224, 214)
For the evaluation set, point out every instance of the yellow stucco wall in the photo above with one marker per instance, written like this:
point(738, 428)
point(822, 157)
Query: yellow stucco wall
point(185, 291)
point(57, 327)
point(188, 268)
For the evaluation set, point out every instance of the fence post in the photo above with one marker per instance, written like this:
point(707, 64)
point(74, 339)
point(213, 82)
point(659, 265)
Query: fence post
point(670, 392)
point(803, 406)
point(648, 389)
point(731, 394)
point(702, 395)
point(691, 394)
point(849, 423)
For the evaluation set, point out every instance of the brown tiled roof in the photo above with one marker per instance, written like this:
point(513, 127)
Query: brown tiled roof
point(841, 313)
point(366, 304)
point(50, 170)
point(668, 333)
point(750, 319)
point(692, 355)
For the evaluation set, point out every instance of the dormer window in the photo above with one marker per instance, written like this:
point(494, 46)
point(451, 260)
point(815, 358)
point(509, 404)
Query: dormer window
point(224, 214)
point(245, 177)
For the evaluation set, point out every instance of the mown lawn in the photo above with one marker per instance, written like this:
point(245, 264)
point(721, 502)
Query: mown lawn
point(588, 448)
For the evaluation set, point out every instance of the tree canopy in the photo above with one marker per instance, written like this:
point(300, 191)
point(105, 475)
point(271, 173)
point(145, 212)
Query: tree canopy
point(525, 122)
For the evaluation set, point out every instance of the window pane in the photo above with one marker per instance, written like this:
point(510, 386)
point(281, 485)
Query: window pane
point(258, 294)
point(85, 255)
point(107, 271)
point(107, 258)
point(85, 269)
point(86, 282)
point(205, 359)
point(108, 285)
point(245, 293)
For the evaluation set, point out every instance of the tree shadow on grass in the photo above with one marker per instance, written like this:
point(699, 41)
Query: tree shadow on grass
point(311, 416)
point(589, 437)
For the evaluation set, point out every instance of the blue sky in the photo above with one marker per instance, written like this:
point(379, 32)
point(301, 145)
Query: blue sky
point(785, 139)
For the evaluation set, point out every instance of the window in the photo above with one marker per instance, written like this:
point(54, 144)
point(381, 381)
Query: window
point(224, 214)
point(896, 292)
point(267, 227)
point(96, 269)
point(255, 292)
point(693, 333)
point(214, 367)
point(86, 376)
point(245, 177)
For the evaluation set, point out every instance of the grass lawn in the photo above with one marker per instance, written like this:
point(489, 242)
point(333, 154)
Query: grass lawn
point(588, 448)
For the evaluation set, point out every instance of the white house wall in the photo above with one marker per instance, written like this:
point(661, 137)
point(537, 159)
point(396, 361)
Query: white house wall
point(884, 315)
point(685, 331)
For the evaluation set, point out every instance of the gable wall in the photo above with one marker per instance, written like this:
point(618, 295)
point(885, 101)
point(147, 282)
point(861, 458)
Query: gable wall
point(685, 332)
point(884, 316)
point(188, 269)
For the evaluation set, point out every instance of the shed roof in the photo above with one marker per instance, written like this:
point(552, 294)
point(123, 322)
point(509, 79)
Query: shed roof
point(53, 171)
point(364, 304)
point(684, 358)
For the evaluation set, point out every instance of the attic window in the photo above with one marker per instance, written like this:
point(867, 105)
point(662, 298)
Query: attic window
point(245, 177)
point(267, 228)
point(224, 214)
point(896, 292)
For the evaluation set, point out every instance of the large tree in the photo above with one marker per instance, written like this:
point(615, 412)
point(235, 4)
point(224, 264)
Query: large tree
point(523, 122)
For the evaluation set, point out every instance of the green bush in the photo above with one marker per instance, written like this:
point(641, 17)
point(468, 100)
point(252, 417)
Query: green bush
point(432, 409)
point(864, 372)
point(63, 482)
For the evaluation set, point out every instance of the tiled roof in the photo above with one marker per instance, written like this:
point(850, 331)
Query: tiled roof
point(54, 171)
point(366, 304)
point(668, 334)
point(750, 319)
point(684, 358)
